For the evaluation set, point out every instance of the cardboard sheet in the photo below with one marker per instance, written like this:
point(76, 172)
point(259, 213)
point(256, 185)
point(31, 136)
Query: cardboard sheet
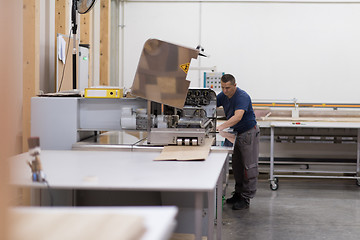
point(161, 73)
point(186, 153)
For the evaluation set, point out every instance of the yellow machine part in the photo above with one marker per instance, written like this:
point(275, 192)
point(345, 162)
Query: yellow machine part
point(103, 93)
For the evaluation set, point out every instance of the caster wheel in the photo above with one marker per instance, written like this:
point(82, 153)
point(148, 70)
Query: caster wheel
point(274, 186)
point(276, 180)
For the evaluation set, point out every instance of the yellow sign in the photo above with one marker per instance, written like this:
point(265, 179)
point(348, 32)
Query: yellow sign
point(185, 67)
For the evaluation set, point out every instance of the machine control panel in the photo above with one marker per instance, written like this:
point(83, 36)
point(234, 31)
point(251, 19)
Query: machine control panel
point(212, 80)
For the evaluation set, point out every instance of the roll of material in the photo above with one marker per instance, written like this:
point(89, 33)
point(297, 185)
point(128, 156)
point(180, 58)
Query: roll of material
point(128, 123)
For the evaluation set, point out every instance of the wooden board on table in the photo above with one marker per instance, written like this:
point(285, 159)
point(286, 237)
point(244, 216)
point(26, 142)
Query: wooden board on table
point(58, 225)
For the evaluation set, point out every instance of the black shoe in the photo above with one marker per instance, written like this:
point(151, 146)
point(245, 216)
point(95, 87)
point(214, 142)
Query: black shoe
point(241, 204)
point(236, 197)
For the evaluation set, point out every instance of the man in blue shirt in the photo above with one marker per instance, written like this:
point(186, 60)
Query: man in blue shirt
point(241, 118)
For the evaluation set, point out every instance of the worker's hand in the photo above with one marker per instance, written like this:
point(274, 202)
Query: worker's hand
point(229, 136)
point(220, 128)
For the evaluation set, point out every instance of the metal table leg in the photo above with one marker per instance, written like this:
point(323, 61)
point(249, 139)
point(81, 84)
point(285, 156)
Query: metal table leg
point(358, 159)
point(211, 214)
point(219, 194)
point(273, 184)
point(199, 202)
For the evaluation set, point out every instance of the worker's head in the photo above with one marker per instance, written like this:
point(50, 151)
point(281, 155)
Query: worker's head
point(228, 85)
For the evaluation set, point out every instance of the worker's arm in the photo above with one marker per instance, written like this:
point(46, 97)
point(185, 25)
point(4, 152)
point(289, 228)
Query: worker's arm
point(232, 121)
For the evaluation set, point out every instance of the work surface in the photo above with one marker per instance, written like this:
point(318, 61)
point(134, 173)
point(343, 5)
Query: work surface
point(119, 171)
point(145, 223)
point(306, 124)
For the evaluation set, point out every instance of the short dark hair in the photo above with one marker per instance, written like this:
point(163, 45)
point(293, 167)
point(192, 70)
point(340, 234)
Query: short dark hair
point(228, 78)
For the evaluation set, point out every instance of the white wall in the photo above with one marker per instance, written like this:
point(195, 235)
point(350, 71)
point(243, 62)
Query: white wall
point(276, 50)
point(175, 22)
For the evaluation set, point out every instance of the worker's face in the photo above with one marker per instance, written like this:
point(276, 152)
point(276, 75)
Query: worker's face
point(228, 88)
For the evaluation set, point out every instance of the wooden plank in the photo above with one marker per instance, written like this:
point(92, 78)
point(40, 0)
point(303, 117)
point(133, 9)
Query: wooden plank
point(62, 16)
point(10, 100)
point(86, 37)
point(31, 71)
point(105, 12)
point(31, 61)
point(86, 28)
point(74, 224)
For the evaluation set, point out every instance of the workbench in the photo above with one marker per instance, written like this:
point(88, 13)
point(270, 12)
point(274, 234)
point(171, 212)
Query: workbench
point(135, 171)
point(308, 173)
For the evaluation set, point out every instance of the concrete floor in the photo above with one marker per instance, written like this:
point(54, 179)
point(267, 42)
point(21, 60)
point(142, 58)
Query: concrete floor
point(308, 209)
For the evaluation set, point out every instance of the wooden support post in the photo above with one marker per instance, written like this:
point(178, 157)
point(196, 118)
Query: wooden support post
point(10, 100)
point(62, 16)
point(30, 70)
point(31, 61)
point(86, 37)
point(105, 12)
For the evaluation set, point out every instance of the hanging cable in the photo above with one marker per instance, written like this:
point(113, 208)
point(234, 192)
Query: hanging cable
point(63, 71)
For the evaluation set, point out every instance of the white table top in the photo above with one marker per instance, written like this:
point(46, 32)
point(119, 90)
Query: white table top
point(159, 221)
point(114, 170)
point(304, 124)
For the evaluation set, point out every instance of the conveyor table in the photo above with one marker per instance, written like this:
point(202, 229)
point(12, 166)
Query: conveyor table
point(302, 124)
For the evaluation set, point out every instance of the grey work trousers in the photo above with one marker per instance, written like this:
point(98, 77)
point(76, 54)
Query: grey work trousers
point(245, 160)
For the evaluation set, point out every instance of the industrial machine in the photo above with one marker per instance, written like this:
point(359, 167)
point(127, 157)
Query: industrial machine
point(169, 125)
point(62, 122)
point(161, 106)
point(177, 115)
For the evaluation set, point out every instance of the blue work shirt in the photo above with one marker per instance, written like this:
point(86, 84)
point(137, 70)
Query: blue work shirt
point(240, 100)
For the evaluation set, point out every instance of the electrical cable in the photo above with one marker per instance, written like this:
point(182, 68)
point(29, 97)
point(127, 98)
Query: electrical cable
point(67, 51)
